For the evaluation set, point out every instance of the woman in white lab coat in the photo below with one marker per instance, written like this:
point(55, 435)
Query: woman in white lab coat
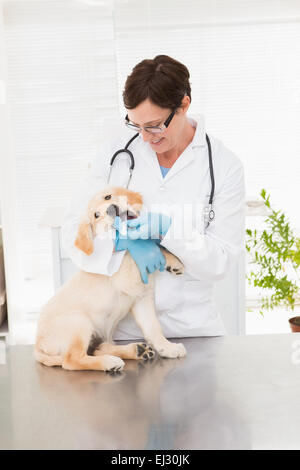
point(184, 304)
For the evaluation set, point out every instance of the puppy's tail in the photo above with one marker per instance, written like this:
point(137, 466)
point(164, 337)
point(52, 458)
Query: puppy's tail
point(46, 359)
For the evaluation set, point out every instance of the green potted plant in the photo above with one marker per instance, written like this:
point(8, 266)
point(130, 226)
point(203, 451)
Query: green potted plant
point(275, 255)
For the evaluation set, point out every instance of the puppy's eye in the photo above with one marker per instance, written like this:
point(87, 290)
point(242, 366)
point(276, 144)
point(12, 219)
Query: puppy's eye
point(107, 197)
point(97, 215)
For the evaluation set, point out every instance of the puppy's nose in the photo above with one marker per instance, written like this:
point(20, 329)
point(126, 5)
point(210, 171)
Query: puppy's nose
point(113, 210)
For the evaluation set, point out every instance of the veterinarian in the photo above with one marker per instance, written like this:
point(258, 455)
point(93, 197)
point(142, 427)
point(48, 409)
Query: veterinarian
point(171, 171)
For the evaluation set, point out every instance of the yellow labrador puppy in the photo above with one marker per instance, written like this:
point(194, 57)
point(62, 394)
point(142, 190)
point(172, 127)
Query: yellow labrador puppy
point(76, 326)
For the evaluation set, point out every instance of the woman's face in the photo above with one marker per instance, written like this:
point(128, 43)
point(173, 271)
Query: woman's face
point(149, 114)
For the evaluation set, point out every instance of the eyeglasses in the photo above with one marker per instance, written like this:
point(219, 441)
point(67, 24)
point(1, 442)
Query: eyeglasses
point(151, 129)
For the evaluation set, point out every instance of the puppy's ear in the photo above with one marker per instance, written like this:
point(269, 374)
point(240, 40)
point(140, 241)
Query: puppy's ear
point(84, 240)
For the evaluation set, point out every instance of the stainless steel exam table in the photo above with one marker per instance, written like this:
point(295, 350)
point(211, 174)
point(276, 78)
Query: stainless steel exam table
point(235, 392)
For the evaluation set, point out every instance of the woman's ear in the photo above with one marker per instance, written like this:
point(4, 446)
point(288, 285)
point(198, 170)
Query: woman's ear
point(185, 104)
point(84, 240)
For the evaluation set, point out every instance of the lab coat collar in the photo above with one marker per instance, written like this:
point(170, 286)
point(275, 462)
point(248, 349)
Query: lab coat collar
point(150, 157)
point(199, 139)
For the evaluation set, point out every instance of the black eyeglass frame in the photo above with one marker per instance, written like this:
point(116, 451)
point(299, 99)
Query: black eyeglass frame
point(150, 128)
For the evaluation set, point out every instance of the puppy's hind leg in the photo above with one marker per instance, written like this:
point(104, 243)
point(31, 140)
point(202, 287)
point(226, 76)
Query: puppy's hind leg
point(76, 358)
point(47, 359)
point(126, 351)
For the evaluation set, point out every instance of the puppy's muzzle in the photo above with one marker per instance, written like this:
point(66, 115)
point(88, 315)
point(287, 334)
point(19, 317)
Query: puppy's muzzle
point(114, 211)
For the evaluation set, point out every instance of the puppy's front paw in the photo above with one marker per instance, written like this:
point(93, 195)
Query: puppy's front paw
point(174, 265)
point(175, 270)
point(172, 350)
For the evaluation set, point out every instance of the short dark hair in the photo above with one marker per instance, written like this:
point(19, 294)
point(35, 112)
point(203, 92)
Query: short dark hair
point(163, 80)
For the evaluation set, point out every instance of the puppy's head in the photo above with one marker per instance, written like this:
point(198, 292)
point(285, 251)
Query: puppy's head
point(101, 212)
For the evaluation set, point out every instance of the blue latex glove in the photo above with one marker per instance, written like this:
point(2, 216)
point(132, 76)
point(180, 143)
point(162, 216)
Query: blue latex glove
point(123, 230)
point(121, 227)
point(152, 225)
point(145, 253)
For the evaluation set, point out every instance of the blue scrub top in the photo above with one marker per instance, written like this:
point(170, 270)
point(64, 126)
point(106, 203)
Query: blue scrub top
point(164, 170)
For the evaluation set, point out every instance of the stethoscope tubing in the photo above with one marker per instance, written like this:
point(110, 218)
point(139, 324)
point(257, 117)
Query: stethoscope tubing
point(210, 211)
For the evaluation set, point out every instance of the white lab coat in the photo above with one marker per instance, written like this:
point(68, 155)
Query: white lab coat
point(184, 304)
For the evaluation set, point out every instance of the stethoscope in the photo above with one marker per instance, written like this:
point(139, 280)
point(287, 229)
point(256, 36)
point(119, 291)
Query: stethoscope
point(209, 213)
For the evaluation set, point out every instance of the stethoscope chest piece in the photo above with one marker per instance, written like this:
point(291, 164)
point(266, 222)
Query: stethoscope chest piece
point(209, 215)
